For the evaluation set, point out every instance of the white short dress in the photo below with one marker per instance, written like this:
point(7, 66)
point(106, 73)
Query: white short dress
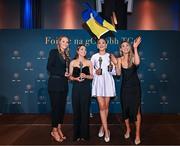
point(103, 85)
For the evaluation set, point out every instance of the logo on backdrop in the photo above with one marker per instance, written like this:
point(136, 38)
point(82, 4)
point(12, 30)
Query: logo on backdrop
point(163, 78)
point(28, 66)
point(141, 77)
point(164, 100)
point(16, 77)
point(69, 100)
point(41, 55)
point(41, 77)
point(164, 56)
point(115, 102)
point(28, 89)
point(116, 98)
point(16, 100)
point(142, 101)
point(152, 67)
point(141, 55)
point(41, 100)
point(91, 53)
point(116, 53)
point(152, 89)
point(16, 55)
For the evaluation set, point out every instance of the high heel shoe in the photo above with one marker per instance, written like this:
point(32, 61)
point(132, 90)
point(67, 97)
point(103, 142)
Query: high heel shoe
point(137, 141)
point(56, 138)
point(61, 134)
point(126, 135)
point(101, 132)
point(107, 139)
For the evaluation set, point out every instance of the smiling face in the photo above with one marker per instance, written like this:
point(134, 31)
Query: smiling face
point(82, 51)
point(125, 47)
point(101, 45)
point(63, 43)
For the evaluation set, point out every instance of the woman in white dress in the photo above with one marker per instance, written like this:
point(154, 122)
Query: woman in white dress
point(103, 86)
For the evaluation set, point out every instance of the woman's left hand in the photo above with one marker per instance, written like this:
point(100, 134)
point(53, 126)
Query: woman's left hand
point(66, 74)
point(136, 43)
point(83, 76)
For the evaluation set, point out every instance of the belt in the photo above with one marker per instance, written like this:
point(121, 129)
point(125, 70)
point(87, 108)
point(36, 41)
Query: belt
point(56, 76)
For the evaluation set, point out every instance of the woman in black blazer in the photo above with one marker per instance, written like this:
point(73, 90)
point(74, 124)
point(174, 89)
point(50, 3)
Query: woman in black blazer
point(58, 85)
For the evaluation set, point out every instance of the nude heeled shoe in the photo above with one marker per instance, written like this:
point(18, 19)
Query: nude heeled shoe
point(56, 138)
point(126, 135)
point(137, 141)
point(61, 134)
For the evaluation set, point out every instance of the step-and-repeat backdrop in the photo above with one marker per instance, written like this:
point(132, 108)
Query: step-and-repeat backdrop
point(23, 74)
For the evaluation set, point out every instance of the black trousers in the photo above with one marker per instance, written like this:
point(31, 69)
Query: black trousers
point(58, 104)
point(81, 93)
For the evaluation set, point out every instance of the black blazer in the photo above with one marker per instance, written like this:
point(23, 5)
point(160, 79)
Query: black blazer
point(56, 67)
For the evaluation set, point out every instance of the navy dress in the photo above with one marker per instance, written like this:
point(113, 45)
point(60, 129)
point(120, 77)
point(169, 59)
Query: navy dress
point(81, 94)
point(130, 93)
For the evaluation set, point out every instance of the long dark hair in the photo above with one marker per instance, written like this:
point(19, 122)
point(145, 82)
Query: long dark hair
point(77, 49)
point(130, 54)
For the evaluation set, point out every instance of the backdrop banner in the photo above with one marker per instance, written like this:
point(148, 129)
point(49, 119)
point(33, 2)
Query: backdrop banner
point(23, 74)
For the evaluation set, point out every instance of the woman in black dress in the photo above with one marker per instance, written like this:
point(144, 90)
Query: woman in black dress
point(58, 85)
point(130, 87)
point(81, 76)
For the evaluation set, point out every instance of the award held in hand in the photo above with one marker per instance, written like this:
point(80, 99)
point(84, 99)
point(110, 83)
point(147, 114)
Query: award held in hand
point(110, 66)
point(81, 67)
point(100, 63)
point(67, 61)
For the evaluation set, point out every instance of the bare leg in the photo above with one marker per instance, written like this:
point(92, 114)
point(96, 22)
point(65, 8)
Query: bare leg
point(102, 107)
point(138, 125)
point(128, 128)
point(107, 100)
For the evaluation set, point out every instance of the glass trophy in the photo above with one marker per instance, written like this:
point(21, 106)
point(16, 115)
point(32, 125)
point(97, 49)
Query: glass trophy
point(81, 67)
point(100, 63)
point(110, 66)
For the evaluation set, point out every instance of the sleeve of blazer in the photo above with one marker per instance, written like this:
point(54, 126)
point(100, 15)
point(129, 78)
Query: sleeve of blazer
point(52, 67)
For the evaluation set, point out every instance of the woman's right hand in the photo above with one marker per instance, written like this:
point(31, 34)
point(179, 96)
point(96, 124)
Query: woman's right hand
point(113, 59)
point(79, 79)
point(98, 71)
point(136, 43)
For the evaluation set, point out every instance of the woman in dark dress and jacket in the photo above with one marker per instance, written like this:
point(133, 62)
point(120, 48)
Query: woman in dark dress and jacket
point(58, 85)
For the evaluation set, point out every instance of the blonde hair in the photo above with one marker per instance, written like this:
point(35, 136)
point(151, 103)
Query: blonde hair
point(130, 53)
point(66, 52)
